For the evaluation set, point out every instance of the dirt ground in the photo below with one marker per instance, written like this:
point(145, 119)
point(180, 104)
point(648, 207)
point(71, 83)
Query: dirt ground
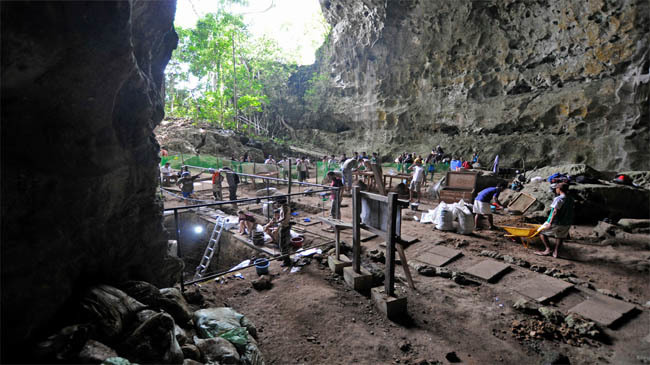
point(312, 317)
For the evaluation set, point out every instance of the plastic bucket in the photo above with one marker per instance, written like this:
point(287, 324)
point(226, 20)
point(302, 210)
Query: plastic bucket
point(297, 242)
point(262, 266)
point(455, 165)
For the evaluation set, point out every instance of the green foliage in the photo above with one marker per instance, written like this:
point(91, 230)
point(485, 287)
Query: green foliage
point(314, 95)
point(222, 74)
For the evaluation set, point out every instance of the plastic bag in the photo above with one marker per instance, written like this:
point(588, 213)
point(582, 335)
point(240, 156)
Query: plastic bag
point(237, 336)
point(465, 218)
point(444, 220)
point(434, 190)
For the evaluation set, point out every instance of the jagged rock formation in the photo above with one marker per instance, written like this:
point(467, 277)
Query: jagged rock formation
point(546, 81)
point(82, 90)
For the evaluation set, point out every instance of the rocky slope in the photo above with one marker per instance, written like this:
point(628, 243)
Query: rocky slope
point(546, 81)
point(82, 90)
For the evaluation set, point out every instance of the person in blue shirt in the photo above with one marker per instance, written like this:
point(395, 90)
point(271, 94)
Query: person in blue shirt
point(482, 203)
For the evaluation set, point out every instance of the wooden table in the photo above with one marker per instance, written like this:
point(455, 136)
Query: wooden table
point(338, 226)
point(406, 177)
point(368, 176)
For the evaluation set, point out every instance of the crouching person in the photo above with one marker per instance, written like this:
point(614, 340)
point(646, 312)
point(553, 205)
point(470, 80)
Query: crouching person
point(246, 223)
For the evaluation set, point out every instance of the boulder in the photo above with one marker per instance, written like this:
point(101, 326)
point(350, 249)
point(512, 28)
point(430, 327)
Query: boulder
point(63, 345)
point(570, 169)
point(174, 303)
point(95, 352)
point(190, 351)
point(109, 309)
point(593, 202)
point(634, 224)
point(212, 322)
point(193, 295)
point(143, 292)
point(191, 362)
point(262, 283)
point(153, 341)
point(181, 335)
point(217, 349)
point(640, 178)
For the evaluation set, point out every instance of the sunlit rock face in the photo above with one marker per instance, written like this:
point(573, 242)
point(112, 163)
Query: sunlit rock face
point(82, 90)
point(545, 81)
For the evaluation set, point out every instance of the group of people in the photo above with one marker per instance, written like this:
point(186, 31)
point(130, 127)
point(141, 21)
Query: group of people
point(278, 228)
point(556, 225)
point(302, 165)
point(185, 181)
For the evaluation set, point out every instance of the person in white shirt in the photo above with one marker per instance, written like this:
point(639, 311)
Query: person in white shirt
point(418, 178)
point(270, 160)
point(166, 174)
point(348, 166)
point(301, 165)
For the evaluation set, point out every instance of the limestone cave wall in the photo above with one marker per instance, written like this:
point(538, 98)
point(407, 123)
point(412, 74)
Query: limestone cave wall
point(545, 81)
point(82, 90)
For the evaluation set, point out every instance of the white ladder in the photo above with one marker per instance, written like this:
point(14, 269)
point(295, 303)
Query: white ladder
point(213, 245)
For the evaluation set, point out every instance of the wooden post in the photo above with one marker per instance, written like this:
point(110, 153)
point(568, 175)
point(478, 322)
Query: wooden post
point(289, 188)
point(389, 280)
point(337, 235)
point(356, 229)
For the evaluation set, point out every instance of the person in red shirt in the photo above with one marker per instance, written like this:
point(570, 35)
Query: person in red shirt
point(466, 165)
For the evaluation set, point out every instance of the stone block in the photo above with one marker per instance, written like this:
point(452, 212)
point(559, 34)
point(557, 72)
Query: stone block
point(361, 282)
point(392, 307)
point(337, 265)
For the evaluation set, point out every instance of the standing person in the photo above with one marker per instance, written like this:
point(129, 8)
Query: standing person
point(416, 181)
point(364, 156)
point(301, 166)
point(233, 181)
point(482, 203)
point(166, 174)
point(431, 168)
point(186, 183)
point(163, 152)
point(374, 158)
point(270, 160)
point(348, 166)
point(356, 156)
point(336, 182)
point(284, 236)
point(307, 163)
point(217, 180)
point(331, 162)
point(559, 220)
point(245, 157)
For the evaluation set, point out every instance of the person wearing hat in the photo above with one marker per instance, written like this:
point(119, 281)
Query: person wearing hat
point(418, 178)
point(186, 183)
point(559, 220)
point(217, 180)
